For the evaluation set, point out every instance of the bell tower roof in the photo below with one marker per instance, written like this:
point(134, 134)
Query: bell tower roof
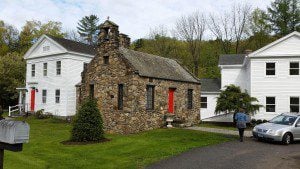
point(108, 23)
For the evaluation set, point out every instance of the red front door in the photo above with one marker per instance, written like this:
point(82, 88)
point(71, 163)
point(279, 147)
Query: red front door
point(32, 99)
point(171, 100)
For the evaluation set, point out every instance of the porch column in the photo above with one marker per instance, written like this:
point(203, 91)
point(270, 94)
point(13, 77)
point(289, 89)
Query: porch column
point(20, 101)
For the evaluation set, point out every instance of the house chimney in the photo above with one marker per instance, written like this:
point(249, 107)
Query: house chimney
point(248, 51)
point(124, 40)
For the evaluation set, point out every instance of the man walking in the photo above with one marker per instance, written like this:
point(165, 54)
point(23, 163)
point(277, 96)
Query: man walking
point(241, 120)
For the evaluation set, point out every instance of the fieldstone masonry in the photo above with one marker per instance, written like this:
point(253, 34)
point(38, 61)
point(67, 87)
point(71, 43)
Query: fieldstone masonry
point(110, 67)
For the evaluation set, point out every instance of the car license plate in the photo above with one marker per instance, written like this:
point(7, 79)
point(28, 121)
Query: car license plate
point(260, 135)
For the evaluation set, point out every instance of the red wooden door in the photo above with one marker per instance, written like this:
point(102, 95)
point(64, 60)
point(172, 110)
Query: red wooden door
point(32, 100)
point(171, 100)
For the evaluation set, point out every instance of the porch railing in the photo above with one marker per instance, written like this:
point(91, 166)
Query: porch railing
point(21, 108)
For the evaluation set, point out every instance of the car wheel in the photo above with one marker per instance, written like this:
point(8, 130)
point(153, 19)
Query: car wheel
point(287, 138)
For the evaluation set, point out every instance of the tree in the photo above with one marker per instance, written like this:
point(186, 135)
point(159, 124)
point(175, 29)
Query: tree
point(191, 29)
point(74, 35)
point(138, 44)
point(232, 98)
point(231, 27)
point(260, 30)
point(32, 30)
point(12, 75)
point(284, 16)
point(9, 38)
point(88, 124)
point(240, 21)
point(88, 28)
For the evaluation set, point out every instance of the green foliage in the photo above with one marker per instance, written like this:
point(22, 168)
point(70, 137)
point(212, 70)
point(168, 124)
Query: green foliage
point(88, 28)
point(232, 98)
point(88, 124)
point(32, 30)
point(1, 113)
point(12, 75)
point(9, 37)
point(284, 15)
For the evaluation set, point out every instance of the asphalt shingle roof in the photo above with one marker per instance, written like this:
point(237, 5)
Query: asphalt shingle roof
point(157, 67)
point(210, 85)
point(75, 46)
point(232, 59)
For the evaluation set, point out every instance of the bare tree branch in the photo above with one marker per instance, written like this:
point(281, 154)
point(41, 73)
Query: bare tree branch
point(231, 27)
point(191, 29)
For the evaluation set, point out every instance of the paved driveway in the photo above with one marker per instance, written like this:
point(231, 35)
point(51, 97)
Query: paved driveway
point(249, 154)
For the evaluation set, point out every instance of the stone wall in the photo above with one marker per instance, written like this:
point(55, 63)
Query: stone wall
point(133, 117)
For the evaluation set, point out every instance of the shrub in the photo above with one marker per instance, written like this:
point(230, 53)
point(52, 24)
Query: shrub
point(259, 121)
point(40, 114)
point(264, 121)
point(1, 113)
point(253, 122)
point(87, 124)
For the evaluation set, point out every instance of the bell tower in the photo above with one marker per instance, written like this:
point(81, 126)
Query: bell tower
point(108, 36)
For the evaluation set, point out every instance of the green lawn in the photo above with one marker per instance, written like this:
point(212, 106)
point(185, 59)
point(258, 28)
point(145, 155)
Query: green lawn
point(131, 151)
point(213, 125)
point(220, 126)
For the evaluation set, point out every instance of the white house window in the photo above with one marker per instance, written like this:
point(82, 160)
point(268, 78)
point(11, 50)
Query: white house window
point(203, 102)
point(294, 104)
point(270, 69)
point(33, 70)
point(294, 68)
point(270, 104)
point(46, 48)
point(57, 96)
point(44, 96)
point(45, 67)
point(58, 68)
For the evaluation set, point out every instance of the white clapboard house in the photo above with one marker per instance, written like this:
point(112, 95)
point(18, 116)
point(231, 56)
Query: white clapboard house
point(53, 68)
point(271, 74)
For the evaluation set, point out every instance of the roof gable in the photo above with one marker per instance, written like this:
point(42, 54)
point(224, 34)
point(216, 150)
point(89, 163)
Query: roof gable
point(37, 50)
point(57, 46)
point(157, 67)
point(288, 45)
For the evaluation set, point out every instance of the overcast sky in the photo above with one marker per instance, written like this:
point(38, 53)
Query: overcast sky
point(134, 17)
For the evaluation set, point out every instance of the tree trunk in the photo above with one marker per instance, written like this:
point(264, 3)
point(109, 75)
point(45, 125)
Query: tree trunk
point(237, 46)
point(196, 68)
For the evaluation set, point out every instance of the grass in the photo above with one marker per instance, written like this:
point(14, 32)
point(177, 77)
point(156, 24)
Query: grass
point(213, 125)
point(220, 126)
point(44, 151)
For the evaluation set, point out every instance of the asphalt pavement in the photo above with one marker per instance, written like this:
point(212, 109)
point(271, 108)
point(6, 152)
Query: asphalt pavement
point(250, 154)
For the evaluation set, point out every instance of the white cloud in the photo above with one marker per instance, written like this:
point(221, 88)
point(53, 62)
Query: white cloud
point(135, 17)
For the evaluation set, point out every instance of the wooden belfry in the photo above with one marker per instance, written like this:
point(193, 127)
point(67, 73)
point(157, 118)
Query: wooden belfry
point(12, 136)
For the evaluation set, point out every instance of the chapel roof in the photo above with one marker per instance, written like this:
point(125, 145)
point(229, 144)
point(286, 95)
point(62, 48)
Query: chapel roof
point(149, 65)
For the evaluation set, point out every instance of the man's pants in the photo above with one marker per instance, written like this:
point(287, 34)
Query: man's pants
point(241, 133)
